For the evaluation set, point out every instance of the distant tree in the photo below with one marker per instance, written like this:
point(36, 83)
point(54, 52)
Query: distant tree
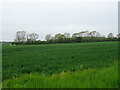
point(83, 34)
point(48, 37)
point(110, 35)
point(98, 34)
point(86, 33)
point(20, 36)
point(94, 34)
point(118, 35)
point(59, 36)
point(78, 39)
point(52, 38)
point(67, 35)
point(75, 35)
point(32, 37)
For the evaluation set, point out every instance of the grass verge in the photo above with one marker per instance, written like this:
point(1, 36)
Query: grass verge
point(90, 78)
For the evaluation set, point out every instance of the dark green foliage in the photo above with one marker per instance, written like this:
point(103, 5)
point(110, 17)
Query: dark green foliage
point(68, 40)
point(55, 58)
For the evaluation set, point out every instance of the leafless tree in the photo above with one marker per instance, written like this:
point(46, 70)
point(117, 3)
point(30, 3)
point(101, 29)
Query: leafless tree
point(48, 37)
point(32, 37)
point(20, 36)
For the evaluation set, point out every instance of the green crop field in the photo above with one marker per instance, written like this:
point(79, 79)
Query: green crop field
point(83, 65)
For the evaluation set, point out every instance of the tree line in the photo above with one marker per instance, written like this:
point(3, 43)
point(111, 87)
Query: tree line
point(84, 36)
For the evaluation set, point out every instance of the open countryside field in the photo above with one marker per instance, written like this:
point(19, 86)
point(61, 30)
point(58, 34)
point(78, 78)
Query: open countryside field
point(81, 65)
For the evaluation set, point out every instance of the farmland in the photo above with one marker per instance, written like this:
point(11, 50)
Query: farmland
point(92, 78)
point(41, 62)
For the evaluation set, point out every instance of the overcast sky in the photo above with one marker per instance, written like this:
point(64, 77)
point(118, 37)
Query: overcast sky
point(58, 16)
